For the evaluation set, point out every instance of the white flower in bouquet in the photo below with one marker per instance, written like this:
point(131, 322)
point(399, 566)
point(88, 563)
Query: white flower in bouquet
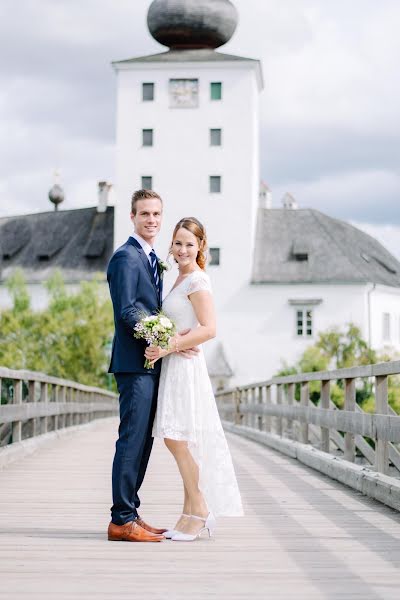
point(156, 330)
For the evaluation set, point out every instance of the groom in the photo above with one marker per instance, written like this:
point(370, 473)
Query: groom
point(135, 282)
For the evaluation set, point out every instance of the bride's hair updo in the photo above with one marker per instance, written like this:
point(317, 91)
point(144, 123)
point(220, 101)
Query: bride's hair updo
point(195, 227)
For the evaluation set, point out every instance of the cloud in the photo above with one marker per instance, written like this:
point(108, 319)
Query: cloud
point(330, 125)
point(387, 235)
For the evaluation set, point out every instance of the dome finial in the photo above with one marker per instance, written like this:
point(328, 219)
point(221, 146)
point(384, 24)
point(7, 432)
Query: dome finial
point(191, 24)
point(56, 193)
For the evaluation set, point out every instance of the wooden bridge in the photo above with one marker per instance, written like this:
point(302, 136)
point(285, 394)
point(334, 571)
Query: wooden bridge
point(305, 535)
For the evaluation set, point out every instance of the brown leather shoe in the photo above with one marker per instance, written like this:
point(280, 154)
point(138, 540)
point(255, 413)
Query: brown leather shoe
point(131, 532)
point(149, 527)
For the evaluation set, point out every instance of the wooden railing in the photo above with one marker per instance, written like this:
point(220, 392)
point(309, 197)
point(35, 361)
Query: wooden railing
point(351, 433)
point(33, 404)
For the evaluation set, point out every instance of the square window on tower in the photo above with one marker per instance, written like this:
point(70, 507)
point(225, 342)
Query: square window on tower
point(147, 137)
point(216, 90)
point(215, 137)
point(147, 92)
point(215, 184)
point(147, 182)
point(214, 256)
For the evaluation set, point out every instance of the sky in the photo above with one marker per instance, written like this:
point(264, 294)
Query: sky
point(330, 111)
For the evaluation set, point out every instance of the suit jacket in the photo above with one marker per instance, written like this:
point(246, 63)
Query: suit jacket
point(133, 292)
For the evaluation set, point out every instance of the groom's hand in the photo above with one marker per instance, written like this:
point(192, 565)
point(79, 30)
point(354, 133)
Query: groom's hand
point(189, 352)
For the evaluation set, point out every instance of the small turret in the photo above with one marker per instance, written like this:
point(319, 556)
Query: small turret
point(289, 202)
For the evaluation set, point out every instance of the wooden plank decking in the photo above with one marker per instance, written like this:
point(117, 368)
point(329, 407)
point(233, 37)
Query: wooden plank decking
point(303, 536)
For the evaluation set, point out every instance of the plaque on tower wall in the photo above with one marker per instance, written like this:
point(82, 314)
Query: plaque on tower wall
point(183, 93)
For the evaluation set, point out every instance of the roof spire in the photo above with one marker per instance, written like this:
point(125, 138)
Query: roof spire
point(56, 193)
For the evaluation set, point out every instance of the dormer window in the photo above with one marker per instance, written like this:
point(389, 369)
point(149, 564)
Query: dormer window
point(300, 250)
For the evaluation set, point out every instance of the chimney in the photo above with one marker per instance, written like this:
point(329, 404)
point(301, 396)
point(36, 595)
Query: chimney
point(265, 196)
point(289, 203)
point(104, 189)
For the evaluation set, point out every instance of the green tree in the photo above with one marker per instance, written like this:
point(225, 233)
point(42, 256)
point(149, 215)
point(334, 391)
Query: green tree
point(337, 349)
point(68, 339)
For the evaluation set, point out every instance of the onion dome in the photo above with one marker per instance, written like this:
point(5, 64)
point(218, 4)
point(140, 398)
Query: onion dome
point(190, 24)
point(56, 195)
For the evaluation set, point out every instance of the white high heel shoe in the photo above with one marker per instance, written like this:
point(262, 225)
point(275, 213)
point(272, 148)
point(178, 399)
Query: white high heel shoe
point(171, 532)
point(209, 525)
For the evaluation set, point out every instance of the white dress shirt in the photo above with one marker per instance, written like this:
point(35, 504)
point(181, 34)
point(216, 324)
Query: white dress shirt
point(145, 245)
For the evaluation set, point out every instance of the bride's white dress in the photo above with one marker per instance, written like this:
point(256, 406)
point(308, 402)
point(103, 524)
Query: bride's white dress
point(186, 408)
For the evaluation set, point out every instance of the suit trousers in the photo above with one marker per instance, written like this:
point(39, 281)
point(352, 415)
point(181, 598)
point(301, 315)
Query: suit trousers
point(137, 402)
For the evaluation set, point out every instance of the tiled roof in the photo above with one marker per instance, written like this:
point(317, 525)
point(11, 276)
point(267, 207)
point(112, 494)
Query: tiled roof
point(78, 242)
point(307, 246)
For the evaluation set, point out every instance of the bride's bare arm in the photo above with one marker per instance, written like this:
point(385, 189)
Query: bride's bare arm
point(203, 306)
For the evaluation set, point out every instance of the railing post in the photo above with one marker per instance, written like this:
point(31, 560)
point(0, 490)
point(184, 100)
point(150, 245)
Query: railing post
point(325, 403)
point(44, 398)
point(382, 408)
point(279, 427)
point(62, 397)
point(290, 401)
point(236, 401)
point(268, 402)
point(56, 417)
point(32, 399)
point(259, 402)
point(248, 415)
point(304, 400)
point(17, 399)
point(350, 405)
point(253, 401)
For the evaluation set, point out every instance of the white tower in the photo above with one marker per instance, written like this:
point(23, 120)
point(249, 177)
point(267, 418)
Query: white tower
point(188, 127)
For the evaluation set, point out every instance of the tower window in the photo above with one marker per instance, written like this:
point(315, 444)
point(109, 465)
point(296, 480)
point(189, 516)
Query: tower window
point(214, 256)
point(215, 137)
point(216, 90)
point(304, 322)
point(147, 182)
point(215, 184)
point(147, 92)
point(147, 137)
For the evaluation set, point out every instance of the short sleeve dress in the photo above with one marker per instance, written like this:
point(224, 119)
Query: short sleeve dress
point(187, 410)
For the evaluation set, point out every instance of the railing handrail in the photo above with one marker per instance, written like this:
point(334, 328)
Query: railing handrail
point(374, 370)
point(23, 375)
point(36, 403)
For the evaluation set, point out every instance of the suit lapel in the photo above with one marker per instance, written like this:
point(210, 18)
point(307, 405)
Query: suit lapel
point(145, 261)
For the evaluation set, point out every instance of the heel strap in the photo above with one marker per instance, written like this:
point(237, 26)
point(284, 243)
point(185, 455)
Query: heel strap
point(184, 515)
point(199, 518)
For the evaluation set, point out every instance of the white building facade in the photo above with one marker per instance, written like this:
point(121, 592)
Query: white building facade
point(188, 127)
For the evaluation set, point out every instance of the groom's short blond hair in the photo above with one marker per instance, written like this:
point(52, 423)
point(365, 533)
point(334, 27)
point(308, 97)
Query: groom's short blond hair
point(143, 195)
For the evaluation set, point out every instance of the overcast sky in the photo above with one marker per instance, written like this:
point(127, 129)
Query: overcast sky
point(330, 131)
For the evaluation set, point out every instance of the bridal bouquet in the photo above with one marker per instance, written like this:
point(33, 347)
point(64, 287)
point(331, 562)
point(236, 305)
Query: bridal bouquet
point(156, 330)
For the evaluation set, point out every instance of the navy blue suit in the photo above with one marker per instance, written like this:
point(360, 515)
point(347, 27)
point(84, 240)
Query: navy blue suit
point(133, 292)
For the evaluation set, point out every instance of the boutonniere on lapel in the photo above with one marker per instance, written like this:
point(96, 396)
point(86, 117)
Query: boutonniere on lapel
point(162, 267)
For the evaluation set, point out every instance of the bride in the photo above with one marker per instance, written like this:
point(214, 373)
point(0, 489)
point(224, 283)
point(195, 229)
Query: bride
point(187, 416)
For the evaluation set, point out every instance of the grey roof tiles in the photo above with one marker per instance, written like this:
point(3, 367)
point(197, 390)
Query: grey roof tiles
point(307, 246)
point(79, 242)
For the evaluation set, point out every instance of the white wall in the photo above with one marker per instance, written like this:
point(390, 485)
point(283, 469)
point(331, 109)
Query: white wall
point(182, 160)
point(385, 300)
point(257, 326)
